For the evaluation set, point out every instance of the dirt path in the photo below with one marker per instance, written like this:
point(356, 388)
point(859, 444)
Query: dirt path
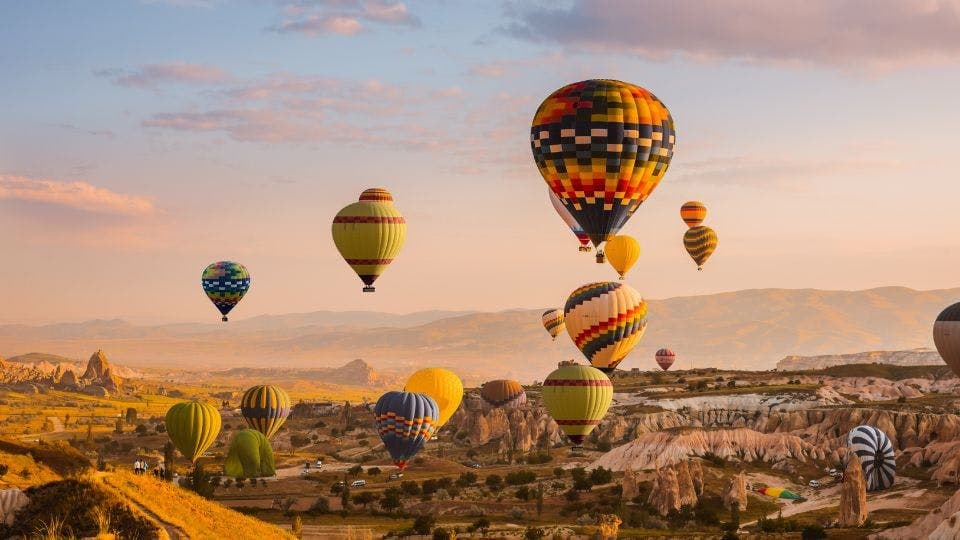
point(57, 424)
point(173, 532)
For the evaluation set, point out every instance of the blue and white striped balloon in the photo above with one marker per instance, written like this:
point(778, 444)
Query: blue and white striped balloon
point(875, 451)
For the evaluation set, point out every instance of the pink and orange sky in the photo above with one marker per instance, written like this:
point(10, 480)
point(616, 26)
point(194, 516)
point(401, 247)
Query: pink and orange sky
point(142, 140)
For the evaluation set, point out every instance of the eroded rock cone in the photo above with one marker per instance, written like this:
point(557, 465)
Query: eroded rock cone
point(665, 492)
point(853, 494)
point(735, 491)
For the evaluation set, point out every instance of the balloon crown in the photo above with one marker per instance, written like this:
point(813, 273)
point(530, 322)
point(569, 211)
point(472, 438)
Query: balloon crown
point(376, 195)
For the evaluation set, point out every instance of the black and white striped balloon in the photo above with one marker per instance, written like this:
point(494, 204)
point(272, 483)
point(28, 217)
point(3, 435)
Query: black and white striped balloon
point(875, 451)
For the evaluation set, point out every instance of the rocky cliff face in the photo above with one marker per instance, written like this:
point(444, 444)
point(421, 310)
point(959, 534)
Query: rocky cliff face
point(941, 524)
point(735, 492)
point(914, 357)
point(665, 491)
point(853, 494)
point(100, 372)
point(520, 430)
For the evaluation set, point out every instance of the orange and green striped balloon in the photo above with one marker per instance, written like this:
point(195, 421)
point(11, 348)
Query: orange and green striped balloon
point(192, 427)
point(700, 242)
point(369, 234)
point(693, 213)
point(265, 408)
point(577, 398)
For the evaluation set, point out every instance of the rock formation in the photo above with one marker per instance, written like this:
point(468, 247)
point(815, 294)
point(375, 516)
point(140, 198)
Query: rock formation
point(688, 493)
point(735, 491)
point(696, 472)
point(665, 491)
point(520, 430)
point(853, 494)
point(914, 357)
point(940, 524)
point(99, 372)
point(630, 484)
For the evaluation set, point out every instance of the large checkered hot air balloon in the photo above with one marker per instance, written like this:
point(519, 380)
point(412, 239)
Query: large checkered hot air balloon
point(602, 146)
point(405, 422)
point(553, 322)
point(265, 408)
point(369, 234)
point(577, 398)
point(605, 321)
point(876, 454)
point(225, 283)
point(571, 222)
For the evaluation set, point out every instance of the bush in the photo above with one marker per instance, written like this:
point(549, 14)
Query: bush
point(600, 475)
point(443, 534)
point(410, 487)
point(481, 525)
point(813, 532)
point(299, 440)
point(141, 429)
point(494, 481)
point(533, 533)
point(523, 493)
point(559, 472)
point(604, 446)
point(467, 479)
point(423, 524)
point(373, 471)
point(517, 478)
point(4, 468)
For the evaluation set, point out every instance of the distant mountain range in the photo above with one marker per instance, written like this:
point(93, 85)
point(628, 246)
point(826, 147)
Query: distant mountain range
point(913, 357)
point(750, 329)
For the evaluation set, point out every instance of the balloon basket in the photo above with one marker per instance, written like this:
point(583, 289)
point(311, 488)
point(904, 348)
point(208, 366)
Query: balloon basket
point(600, 258)
point(224, 318)
point(699, 269)
point(369, 288)
point(585, 249)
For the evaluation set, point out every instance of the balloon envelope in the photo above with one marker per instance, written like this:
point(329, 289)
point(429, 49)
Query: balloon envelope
point(369, 234)
point(700, 242)
point(553, 322)
point(192, 427)
point(570, 221)
point(622, 252)
point(946, 336)
point(577, 398)
point(876, 454)
point(605, 320)
point(442, 385)
point(265, 408)
point(503, 393)
point(405, 422)
point(693, 213)
point(225, 283)
point(777, 492)
point(250, 456)
point(602, 146)
point(665, 358)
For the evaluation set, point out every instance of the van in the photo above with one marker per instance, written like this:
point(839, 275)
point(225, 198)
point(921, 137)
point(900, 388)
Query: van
point(358, 483)
point(815, 484)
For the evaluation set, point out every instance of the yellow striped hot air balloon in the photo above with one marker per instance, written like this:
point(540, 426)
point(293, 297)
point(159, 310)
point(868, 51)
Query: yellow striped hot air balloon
point(700, 242)
point(605, 321)
point(440, 384)
point(192, 427)
point(553, 322)
point(369, 234)
point(622, 252)
point(577, 398)
point(693, 213)
point(503, 393)
point(265, 408)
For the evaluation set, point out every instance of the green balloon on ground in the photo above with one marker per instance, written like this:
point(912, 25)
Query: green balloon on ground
point(250, 456)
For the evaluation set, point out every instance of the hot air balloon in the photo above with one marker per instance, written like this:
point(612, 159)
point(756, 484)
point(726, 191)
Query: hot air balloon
point(225, 283)
point(405, 422)
point(570, 221)
point(503, 393)
point(777, 493)
point(693, 213)
point(946, 336)
point(192, 427)
point(665, 358)
point(622, 252)
point(602, 146)
point(369, 234)
point(875, 451)
point(250, 456)
point(577, 398)
point(605, 321)
point(700, 242)
point(11, 500)
point(553, 322)
point(265, 408)
point(443, 386)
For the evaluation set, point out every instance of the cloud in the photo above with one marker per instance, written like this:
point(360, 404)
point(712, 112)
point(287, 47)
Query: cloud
point(94, 132)
point(859, 34)
point(779, 173)
point(152, 75)
point(500, 68)
point(76, 195)
point(342, 17)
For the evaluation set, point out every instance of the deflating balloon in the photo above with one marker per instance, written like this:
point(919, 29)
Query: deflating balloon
point(777, 492)
point(265, 408)
point(602, 146)
point(693, 213)
point(250, 456)
point(946, 336)
point(369, 234)
point(700, 242)
point(192, 427)
point(570, 221)
point(553, 322)
point(405, 422)
point(577, 398)
point(443, 386)
point(605, 321)
point(225, 282)
point(875, 451)
point(503, 393)
point(665, 358)
point(622, 252)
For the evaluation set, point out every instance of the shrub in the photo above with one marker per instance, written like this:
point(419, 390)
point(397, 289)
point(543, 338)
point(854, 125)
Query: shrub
point(467, 479)
point(423, 524)
point(299, 440)
point(141, 429)
point(4, 468)
point(410, 487)
point(494, 481)
point(813, 532)
point(604, 446)
point(523, 493)
point(517, 478)
point(373, 471)
point(559, 472)
point(600, 475)
point(443, 534)
point(320, 506)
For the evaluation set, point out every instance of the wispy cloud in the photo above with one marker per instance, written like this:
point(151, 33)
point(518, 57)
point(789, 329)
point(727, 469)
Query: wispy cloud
point(501, 68)
point(76, 195)
point(780, 173)
point(342, 17)
point(856, 34)
point(93, 132)
point(153, 75)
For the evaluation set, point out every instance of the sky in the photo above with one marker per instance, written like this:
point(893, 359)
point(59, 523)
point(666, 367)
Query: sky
point(142, 140)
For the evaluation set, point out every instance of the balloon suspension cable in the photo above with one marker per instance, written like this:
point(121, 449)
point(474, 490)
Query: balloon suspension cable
point(369, 288)
point(224, 319)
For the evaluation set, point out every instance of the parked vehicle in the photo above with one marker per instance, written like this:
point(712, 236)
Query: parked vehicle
point(815, 484)
point(358, 483)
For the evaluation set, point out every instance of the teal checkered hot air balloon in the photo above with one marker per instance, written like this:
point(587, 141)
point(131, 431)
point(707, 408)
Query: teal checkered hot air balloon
point(225, 283)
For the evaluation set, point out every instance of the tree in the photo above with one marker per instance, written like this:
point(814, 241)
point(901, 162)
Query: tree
point(494, 481)
point(345, 495)
point(131, 416)
point(423, 524)
point(373, 471)
point(390, 500)
point(481, 525)
point(539, 499)
point(297, 526)
point(355, 470)
point(429, 486)
point(320, 506)
point(168, 457)
point(441, 533)
point(118, 427)
point(467, 479)
point(201, 483)
point(141, 429)
point(410, 487)
point(364, 498)
point(559, 472)
point(523, 493)
point(813, 532)
point(88, 442)
point(600, 475)
point(533, 533)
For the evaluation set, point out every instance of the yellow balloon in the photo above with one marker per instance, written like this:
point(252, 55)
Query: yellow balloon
point(622, 252)
point(369, 234)
point(442, 385)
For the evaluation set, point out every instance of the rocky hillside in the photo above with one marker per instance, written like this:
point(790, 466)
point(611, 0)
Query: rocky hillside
point(37, 372)
point(354, 373)
point(914, 357)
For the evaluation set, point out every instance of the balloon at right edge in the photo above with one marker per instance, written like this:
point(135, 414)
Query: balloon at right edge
point(700, 242)
point(946, 336)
